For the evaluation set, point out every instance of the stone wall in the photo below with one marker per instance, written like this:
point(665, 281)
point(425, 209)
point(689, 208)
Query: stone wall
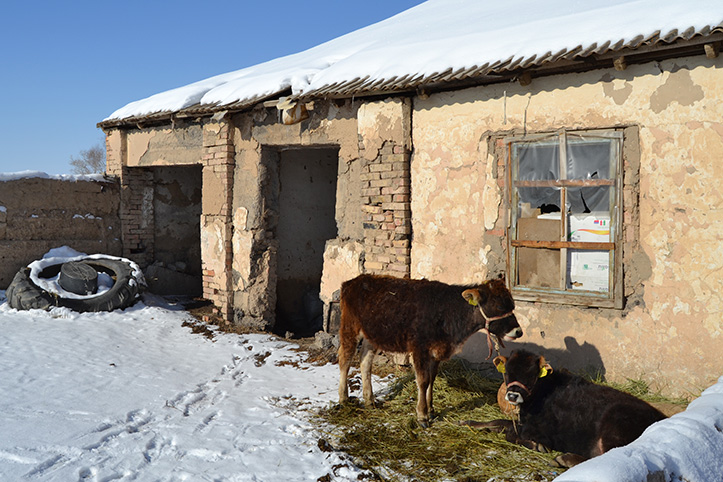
point(38, 214)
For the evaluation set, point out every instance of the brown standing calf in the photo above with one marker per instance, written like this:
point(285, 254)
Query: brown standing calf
point(429, 319)
point(564, 412)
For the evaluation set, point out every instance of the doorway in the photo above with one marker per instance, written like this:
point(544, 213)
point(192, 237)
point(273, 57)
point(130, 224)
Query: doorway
point(307, 179)
point(176, 269)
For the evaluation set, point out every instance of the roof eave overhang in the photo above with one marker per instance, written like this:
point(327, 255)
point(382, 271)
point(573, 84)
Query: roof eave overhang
point(577, 60)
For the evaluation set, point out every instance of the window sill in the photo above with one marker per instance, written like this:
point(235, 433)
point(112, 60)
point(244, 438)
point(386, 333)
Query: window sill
point(582, 298)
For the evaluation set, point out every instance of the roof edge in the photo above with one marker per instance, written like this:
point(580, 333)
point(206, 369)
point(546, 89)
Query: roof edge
point(637, 51)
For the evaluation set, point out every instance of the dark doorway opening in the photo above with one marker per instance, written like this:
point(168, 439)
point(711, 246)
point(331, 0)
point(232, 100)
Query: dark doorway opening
point(176, 269)
point(306, 220)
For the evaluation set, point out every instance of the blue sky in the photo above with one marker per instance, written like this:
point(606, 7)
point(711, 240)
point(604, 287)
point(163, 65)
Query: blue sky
point(65, 66)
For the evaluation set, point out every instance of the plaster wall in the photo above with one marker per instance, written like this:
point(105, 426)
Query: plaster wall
point(165, 146)
point(670, 331)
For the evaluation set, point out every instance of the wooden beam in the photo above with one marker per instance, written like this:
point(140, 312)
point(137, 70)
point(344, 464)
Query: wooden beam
point(712, 50)
point(620, 63)
point(522, 243)
point(525, 79)
point(566, 183)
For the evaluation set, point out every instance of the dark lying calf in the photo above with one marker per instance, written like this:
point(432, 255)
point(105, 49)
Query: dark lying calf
point(566, 413)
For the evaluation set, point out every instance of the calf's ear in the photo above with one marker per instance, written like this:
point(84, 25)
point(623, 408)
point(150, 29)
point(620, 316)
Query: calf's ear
point(472, 296)
point(545, 368)
point(500, 362)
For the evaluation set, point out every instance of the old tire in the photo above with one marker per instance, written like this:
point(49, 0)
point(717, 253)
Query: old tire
point(23, 294)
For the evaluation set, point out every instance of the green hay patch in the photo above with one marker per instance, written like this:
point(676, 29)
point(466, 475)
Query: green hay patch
point(388, 441)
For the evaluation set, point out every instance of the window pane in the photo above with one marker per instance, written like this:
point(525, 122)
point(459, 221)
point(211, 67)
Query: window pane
point(589, 158)
point(537, 160)
point(534, 201)
point(589, 199)
point(589, 270)
point(538, 268)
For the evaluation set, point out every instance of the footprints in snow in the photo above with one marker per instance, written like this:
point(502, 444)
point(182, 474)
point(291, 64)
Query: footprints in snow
point(134, 422)
point(151, 431)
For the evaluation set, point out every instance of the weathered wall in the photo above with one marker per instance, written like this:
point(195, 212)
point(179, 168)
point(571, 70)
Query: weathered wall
point(181, 144)
point(134, 156)
point(38, 214)
point(421, 189)
point(259, 139)
point(670, 331)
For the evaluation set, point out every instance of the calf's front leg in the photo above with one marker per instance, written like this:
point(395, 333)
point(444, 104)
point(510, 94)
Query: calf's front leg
point(424, 387)
point(367, 359)
point(500, 426)
point(509, 429)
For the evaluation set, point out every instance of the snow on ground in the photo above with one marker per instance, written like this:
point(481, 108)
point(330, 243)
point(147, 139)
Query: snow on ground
point(686, 447)
point(134, 395)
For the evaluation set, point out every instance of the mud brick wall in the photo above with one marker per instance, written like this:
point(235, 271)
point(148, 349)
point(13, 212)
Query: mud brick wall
point(387, 212)
point(137, 214)
point(216, 221)
point(38, 214)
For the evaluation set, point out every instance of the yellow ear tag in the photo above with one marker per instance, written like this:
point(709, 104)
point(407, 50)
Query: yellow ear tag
point(501, 368)
point(543, 371)
point(472, 302)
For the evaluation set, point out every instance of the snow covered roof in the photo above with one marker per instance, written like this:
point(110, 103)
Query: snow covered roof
point(443, 41)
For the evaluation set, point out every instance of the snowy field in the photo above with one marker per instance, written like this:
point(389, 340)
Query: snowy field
point(134, 395)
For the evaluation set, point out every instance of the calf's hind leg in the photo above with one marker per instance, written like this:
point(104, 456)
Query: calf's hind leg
point(569, 460)
point(433, 368)
point(347, 348)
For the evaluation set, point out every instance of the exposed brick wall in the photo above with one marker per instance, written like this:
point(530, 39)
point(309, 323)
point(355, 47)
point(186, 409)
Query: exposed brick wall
point(218, 168)
point(136, 200)
point(137, 215)
point(387, 212)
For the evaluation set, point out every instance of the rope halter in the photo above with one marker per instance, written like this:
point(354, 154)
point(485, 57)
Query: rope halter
point(496, 339)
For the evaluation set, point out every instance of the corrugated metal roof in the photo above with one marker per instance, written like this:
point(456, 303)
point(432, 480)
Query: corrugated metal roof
point(578, 54)
point(360, 64)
